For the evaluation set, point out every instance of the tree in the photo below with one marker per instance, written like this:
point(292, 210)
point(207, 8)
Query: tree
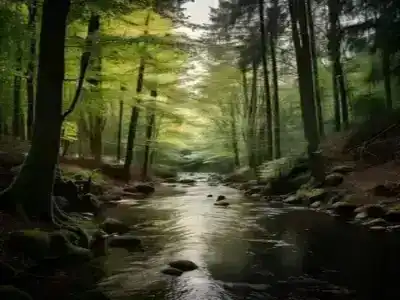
point(31, 191)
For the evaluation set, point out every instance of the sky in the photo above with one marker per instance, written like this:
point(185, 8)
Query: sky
point(197, 13)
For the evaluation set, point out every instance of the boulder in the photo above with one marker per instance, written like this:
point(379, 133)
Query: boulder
point(183, 265)
point(7, 273)
point(222, 203)
point(33, 243)
point(209, 196)
point(333, 179)
point(9, 292)
point(344, 210)
point(111, 226)
point(140, 188)
point(316, 204)
point(392, 216)
point(187, 181)
point(220, 198)
point(342, 169)
point(372, 210)
point(386, 190)
point(375, 222)
point(172, 271)
point(293, 200)
point(128, 242)
point(361, 216)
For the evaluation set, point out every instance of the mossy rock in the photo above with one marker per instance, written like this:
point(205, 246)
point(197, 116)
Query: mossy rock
point(313, 195)
point(9, 292)
point(333, 179)
point(32, 243)
point(111, 226)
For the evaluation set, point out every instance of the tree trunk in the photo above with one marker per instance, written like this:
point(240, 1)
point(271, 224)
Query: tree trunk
point(30, 88)
point(235, 147)
point(119, 135)
point(306, 86)
point(314, 56)
point(273, 39)
point(135, 111)
point(96, 137)
point(251, 118)
point(268, 108)
point(34, 192)
point(149, 134)
point(338, 86)
point(17, 110)
point(385, 58)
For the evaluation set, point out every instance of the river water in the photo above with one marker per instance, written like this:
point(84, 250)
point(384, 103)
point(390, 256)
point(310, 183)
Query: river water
point(248, 251)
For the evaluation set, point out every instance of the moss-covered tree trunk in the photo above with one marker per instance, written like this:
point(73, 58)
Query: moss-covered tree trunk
point(251, 116)
point(151, 116)
point(33, 186)
point(135, 111)
point(301, 40)
point(17, 110)
point(268, 108)
point(30, 82)
point(119, 133)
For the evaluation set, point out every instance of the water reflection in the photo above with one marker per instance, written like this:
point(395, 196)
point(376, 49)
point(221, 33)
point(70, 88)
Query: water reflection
point(249, 251)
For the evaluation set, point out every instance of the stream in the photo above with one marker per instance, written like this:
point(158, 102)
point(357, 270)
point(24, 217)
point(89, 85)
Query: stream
point(247, 251)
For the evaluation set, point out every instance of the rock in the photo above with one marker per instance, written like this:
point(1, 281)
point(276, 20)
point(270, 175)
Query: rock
point(135, 196)
point(111, 226)
point(61, 247)
point(342, 169)
point(88, 203)
point(314, 195)
point(128, 242)
point(387, 190)
point(375, 222)
point(187, 181)
point(172, 272)
point(220, 198)
point(222, 203)
point(255, 196)
point(275, 204)
point(209, 196)
point(392, 216)
point(316, 204)
point(333, 179)
point(183, 265)
point(344, 209)
point(140, 188)
point(393, 228)
point(293, 200)
point(361, 216)
point(9, 292)
point(378, 228)
point(34, 243)
point(374, 210)
point(7, 273)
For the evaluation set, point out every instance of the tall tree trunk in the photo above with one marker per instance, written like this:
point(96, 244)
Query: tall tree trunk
point(314, 56)
point(338, 85)
point(135, 111)
point(272, 43)
point(32, 191)
point(306, 86)
point(119, 135)
point(268, 108)
point(149, 134)
point(251, 118)
point(30, 88)
point(385, 59)
point(17, 110)
point(235, 144)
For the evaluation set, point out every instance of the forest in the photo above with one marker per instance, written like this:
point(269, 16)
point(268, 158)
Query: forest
point(99, 94)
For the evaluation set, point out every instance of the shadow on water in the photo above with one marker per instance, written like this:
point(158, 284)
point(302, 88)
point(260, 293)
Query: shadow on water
point(248, 251)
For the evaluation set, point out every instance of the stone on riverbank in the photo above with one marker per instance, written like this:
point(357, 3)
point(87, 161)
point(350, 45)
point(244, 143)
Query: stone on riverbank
point(183, 265)
point(344, 210)
point(128, 242)
point(220, 198)
point(143, 188)
point(172, 271)
point(333, 179)
point(372, 210)
point(9, 292)
point(342, 169)
point(222, 203)
point(111, 226)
